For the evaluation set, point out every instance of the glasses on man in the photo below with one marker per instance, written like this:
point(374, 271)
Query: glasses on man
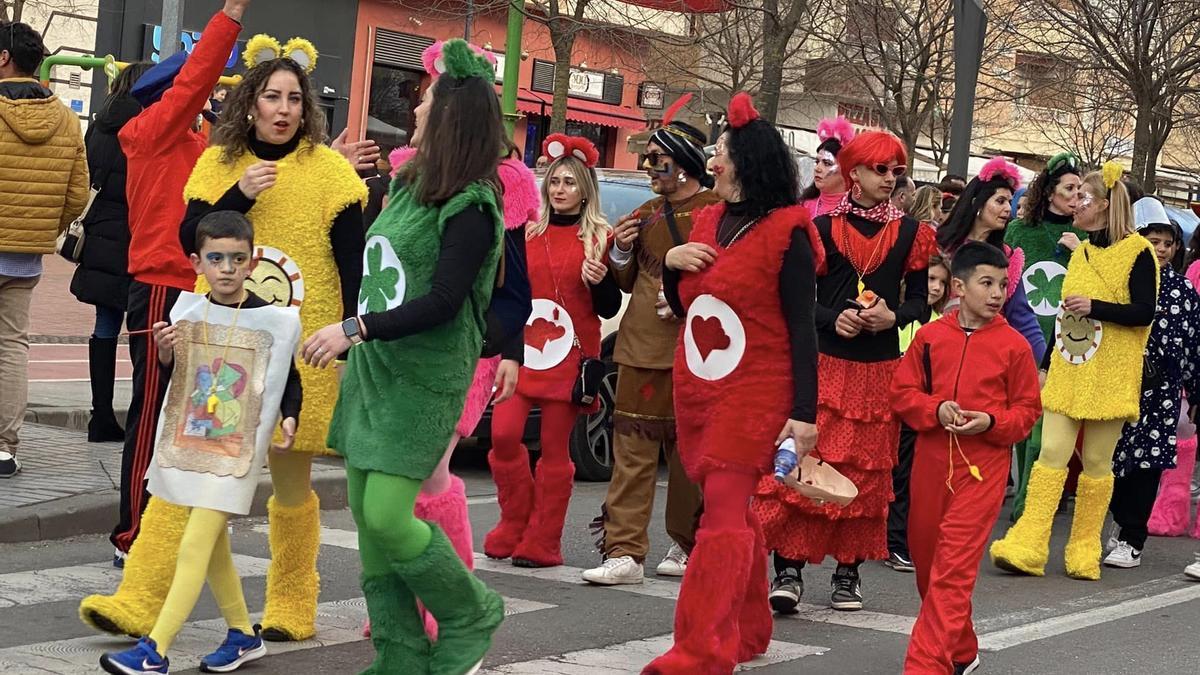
point(884, 169)
point(653, 159)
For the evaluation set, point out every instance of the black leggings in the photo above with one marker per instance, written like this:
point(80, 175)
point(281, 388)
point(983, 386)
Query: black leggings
point(1132, 501)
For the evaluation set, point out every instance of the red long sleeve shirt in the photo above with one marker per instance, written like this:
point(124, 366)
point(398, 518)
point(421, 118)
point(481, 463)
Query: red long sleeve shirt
point(161, 149)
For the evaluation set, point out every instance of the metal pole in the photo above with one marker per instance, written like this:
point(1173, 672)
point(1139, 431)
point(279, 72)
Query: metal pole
point(172, 27)
point(512, 65)
point(970, 26)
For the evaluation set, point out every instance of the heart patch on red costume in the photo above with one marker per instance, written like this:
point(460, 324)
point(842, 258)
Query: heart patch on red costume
point(710, 336)
point(541, 332)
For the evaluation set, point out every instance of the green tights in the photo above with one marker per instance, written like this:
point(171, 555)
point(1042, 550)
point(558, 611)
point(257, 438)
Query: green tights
point(388, 531)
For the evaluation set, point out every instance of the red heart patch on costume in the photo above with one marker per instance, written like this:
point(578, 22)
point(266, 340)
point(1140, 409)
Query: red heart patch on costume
point(709, 335)
point(542, 332)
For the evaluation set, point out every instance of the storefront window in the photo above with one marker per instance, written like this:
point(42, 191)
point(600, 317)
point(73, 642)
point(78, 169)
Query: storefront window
point(395, 94)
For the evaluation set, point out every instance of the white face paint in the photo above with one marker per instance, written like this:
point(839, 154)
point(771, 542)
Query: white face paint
point(827, 160)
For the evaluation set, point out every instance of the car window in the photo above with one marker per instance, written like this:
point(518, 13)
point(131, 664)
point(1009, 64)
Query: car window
point(618, 200)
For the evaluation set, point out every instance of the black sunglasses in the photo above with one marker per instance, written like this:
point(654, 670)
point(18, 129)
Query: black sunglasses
point(654, 158)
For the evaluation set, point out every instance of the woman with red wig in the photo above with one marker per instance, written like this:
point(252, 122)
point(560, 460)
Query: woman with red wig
point(873, 251)
point(745, 381)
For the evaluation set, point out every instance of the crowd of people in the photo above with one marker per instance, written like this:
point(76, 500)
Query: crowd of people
point(910, 339)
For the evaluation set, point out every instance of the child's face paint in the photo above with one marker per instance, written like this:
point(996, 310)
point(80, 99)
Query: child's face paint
point(226, 263)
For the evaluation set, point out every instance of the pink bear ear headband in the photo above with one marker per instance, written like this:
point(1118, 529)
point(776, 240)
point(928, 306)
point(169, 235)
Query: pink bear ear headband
point(557, 146)
point(999, 167)
point(435, 64)
point(835, 127)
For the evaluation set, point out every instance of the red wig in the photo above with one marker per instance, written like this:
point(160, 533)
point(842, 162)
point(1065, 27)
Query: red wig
point(870, 148)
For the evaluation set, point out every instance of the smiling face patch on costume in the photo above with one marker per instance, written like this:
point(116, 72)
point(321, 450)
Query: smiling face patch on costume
point(714, 339)
point(383, 281)
point(276, 278)
point(1077, 337)
point(549, 335)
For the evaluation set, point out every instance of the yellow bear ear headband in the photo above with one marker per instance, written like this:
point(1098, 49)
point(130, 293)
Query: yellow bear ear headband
point(264, 48)
point(1111, 174)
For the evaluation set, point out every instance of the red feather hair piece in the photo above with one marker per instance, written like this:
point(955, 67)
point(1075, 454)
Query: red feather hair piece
point(672, 111)
point(999, 167)
point(741, 110)
point(835, 127)
point(557, 146)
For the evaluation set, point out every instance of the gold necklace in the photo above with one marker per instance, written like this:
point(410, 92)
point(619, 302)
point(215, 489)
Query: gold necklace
point(212, 388)
point(739, 233)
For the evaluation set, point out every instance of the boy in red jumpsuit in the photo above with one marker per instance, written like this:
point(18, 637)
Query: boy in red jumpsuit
point(968, 385)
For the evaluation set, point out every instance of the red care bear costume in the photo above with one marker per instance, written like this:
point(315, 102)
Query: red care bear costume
point(990, 370)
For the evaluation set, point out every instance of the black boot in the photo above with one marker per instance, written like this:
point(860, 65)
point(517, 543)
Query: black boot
point(102, 367)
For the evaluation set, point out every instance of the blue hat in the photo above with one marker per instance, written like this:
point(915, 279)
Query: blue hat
point(1016, 198)
point(155, 82)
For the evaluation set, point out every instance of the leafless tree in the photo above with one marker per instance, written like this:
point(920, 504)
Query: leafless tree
point(16, 10)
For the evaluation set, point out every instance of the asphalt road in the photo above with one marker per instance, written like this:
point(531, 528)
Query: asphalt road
point(1143, 620)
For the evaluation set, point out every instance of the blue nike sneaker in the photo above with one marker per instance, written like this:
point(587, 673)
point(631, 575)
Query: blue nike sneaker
point(143, 658)
point(237, 649)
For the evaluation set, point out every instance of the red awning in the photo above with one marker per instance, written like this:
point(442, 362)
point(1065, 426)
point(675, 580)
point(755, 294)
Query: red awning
point(589, 112)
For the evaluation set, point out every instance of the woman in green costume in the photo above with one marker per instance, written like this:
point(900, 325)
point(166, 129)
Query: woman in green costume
point(429, 269)
point(1047, 236)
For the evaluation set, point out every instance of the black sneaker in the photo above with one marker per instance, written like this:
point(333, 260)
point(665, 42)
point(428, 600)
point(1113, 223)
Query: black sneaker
point(847, 591)
point(900, 562)
point(786, 591)
point(9, 466)
point(965, 668)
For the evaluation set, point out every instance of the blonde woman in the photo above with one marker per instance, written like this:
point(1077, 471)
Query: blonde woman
point(1109, 296)
point(571, 290)
point(926, 206)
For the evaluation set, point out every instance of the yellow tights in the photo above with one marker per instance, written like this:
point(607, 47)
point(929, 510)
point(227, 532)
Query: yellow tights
point(1099, 440)
point(203, 552)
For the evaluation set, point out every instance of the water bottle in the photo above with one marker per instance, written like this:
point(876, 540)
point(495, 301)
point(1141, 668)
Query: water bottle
point(785, 459)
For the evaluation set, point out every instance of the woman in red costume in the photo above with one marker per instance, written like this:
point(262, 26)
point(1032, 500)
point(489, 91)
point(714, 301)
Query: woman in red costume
point(873, 249)
point(828, 186)
point(571, 290)
point(745, 380)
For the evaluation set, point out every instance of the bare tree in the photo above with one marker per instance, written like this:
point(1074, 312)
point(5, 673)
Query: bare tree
point(16, 10)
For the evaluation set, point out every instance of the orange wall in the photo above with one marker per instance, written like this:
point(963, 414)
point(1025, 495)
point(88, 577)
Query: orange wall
point(486, 28)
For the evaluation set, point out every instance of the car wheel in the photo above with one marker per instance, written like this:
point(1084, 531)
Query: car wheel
point(592, 437)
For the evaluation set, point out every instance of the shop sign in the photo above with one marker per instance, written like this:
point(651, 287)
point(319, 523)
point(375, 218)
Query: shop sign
point(187, 43)
point(586, 84)
point(651, 96)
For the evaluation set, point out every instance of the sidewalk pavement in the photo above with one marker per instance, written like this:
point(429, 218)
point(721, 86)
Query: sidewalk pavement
point(68, 486)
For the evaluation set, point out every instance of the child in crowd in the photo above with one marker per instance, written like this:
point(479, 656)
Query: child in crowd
point(237, 369)
point(899, 558)
point(966, 421)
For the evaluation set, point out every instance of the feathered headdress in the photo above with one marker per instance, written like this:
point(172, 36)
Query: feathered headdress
point(263, 48)
point(674, 108)
point(1111, 173)
point(557, 146)
point(435, 62)
point(837, 128)
point(741, 110)
point(1001, 168)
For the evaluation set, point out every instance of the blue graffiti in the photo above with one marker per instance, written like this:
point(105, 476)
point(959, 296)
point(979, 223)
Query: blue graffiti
point(187, 41)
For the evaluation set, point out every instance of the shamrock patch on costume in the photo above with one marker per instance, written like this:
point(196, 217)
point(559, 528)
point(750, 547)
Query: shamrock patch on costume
point(714, 339)
point(549, 335)
point(1043, 286)
point(383, 277)
point(1077, 337)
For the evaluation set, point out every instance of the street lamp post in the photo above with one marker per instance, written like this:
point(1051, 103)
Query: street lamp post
point(172, 27)
point(970, 26)
point(512, 65)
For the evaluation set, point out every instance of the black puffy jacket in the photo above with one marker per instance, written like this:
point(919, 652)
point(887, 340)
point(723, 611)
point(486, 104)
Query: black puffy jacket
point(102, 277)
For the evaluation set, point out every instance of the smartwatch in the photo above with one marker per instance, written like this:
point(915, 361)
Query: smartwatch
point(351, 329)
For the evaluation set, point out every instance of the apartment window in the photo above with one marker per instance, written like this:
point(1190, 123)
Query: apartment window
point(871, 20)
point(1043, 81)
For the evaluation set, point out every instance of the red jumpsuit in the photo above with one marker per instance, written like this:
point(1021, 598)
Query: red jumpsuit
point(989, 370)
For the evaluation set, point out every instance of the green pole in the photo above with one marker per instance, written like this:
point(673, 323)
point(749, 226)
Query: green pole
point(512, 65)
point(64, 60)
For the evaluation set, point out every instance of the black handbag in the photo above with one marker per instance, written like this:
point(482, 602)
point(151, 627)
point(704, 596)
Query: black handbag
point(587, 384)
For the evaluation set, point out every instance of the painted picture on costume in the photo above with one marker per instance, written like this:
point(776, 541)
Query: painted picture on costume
point(211, 416)
point(549, 335)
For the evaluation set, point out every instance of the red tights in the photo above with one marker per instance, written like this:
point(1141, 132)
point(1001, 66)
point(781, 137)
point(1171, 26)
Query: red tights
point(508, 428)
point(727, 500)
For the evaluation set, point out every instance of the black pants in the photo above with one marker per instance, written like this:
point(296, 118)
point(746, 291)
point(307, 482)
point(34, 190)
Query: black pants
point(897, 522)
point(148, 304)
point(1132, 501)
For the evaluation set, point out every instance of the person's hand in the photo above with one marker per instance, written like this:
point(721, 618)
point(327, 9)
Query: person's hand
point(849, 323)
point(166, 338)
point(803, 434)
point(1041, 379)
point(691, 257)
point(257, 178)
point(325, 345)
point(593, 271)
point(626, 232)
point(1070, 240)
point(234, 9)
point(878, 317)
point(972, 423)
point(1077, 304)
point(949, 414)
point(288, 428)
point(362, 155)
point(506, 381)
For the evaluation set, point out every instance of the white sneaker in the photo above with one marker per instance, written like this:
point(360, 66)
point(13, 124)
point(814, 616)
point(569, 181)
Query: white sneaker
point(1193, 570)
point(674, 564)
point(1124, 556)
point(616, 571)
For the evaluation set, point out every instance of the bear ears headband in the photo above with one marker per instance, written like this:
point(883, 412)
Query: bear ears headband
point(459, 59)
point(557, 146)
point(263, 48)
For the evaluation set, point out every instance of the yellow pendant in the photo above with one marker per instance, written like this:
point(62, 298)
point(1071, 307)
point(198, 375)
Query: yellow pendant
point(861, 287)
point(212, 403)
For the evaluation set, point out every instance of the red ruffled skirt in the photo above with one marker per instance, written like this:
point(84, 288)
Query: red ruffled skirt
point(858, 435)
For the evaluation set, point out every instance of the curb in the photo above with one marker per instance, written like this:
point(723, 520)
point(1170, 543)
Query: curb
point(75, 419)
point(96, 513)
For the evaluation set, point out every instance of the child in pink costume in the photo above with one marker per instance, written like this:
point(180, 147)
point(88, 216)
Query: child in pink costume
point(443, 498)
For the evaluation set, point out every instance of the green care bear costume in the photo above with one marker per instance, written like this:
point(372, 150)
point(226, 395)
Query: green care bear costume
point(396, 412)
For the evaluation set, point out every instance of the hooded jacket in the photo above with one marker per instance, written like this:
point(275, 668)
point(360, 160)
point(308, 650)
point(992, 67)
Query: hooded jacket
point(43, 170)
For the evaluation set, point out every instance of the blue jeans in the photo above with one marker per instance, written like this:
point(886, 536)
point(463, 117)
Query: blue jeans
point(108, 322)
